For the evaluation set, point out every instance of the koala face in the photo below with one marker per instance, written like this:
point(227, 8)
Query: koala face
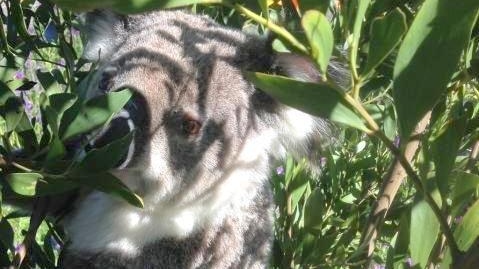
point(196, 117)
point(205, 142)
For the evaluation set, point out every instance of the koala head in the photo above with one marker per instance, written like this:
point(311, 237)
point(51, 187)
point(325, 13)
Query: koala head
point(198, 122)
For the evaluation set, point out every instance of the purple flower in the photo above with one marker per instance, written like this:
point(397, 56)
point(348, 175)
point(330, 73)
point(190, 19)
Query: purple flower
point(397, 141)
point(75, 32)
point(379, 266)
point(19, 75)
point(279, 170)
point(323, 161)
point(409, 262)
point(61, 62)
point(458, 219)
point(54, 243)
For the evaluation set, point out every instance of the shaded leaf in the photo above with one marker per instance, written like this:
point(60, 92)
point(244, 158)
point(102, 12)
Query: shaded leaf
point(386, 33)
point(313, 213)
point(444, 151)
point(129, 6)
point(108, 183)
point(105, 158)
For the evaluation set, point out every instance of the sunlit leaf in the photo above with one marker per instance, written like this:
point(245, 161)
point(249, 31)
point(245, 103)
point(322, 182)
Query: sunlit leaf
point(97, 112)
point(23, 183)
point(467, 232)
point(428, 57)
point(318, 99)
point(320, 36)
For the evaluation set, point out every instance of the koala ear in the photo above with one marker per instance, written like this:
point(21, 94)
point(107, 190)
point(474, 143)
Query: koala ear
point(303, 68)
point(105, 30)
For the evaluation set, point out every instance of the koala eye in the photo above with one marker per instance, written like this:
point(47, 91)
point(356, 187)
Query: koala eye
point(190, 126)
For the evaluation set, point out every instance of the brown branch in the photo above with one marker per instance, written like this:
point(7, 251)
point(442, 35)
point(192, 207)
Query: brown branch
point(391, 183)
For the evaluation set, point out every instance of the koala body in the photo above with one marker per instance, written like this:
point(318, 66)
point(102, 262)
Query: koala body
point(205, 144)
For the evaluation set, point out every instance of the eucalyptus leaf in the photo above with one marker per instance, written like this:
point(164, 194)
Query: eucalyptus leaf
point(444, 151)
point(428, 57)
point(317, 99)
point(424, 231)
point(129, 6)
point(320, 37)
point(105, 158)
point(464, 186)
point(108, 183)
point(313, 212)
point(386, 33)
point(96, 112)
point(24, 183)
point(467, 232)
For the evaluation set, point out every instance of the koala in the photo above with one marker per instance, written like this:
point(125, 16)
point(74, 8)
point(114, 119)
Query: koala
point(205, 142)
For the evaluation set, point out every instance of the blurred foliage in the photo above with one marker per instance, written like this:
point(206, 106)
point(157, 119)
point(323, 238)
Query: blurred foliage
point(407, 58)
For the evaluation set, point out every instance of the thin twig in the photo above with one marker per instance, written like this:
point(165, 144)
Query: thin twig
point(281, 31)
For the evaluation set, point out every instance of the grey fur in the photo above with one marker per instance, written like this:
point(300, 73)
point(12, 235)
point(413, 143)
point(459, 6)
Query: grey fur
point(208, 203)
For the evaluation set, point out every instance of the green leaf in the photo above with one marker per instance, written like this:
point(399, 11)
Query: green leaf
point(313, 212)
point(386, 33)
point(12, 112)
point(7, 234)
point(56, 151)
point(444, 151)
point(105, 158)
point(358, 22)
point(59, 103)
point(321, 5)
point(465, 185)
point(428, 57)
point(108, 183)
point(320, 37)
point(264, 7)
point(130, 6)
point(317, 99)
point(97, 112)
point(467, 232)
point(48, 82)
point(424, 231)
point(23, 183)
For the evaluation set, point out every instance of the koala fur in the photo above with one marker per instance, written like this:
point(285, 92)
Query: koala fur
point(205, 143)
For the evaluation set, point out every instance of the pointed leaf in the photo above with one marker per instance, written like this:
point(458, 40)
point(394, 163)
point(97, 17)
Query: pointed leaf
point(444, 151)
point(428, 57)
point(313, 212)
point(108, 183)
point(97, 112)
point(23, 183)
point(317, 99)
point(467, 232)
point(465, 185)
point(424, 231)
point(320, 37)
point(105, 158)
